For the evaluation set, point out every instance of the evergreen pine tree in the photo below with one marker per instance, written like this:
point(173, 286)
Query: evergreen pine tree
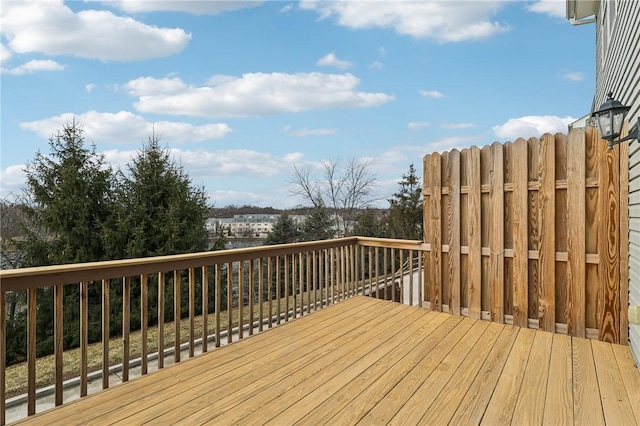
point(405, 208)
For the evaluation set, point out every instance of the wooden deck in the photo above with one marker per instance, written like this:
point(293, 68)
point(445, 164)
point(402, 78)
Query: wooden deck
point(374, 362)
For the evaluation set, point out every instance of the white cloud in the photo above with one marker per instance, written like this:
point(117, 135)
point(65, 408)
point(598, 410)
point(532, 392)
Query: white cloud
point(12, 178)
point(331, 60)
point(417, 125)
point(532, 126)
point(52, 28)
point(454, 126)
point(125, 127)
point(376, 65)
point(33, 66)
point(5, 54)
point(199, 7)
point(573, 76)
point(442, 21)
point(255, 94)
point(304, 132)
point(554, 8)
point(149, 86)
point(287, 8)
point(90, 87)
point(431, 94)
point(382, 51)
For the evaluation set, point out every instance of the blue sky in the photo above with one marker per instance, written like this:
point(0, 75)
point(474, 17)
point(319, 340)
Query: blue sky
point(241, 91)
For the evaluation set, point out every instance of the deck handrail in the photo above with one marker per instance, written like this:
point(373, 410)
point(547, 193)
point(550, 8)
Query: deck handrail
point(264, 285)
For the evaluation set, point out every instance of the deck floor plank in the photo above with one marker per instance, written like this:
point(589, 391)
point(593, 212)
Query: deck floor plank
point(630, 377)
point(505, 395)
point(382, 413)
point(558, 409)
point(587, 408)
point(529, 409)
point(444, 406)
point(615, 401)
point(477, 397)
point(251, 378)
point(357, 398)
point(367, 361)
point(338, 365)
point(415, 407)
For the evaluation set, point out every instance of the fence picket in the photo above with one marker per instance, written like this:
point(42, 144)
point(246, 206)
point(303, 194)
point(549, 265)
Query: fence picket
point(496, 233)
point(520, 234)
point(474, 274)
point(576, 271)
point(454, 232)
point(547, 248)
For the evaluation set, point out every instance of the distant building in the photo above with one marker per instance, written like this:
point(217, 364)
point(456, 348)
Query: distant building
point(250, 226)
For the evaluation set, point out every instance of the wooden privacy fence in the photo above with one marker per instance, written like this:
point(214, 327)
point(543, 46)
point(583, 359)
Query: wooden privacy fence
point(533, 232)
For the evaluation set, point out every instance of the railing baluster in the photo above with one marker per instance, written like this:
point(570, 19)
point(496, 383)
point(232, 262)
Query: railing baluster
point(58, 333)
point(144, 322)
point(332, 274)
point(288, 289)
point(353, 253)
point(250, 285)
point(278, 271)
point(241, 299)
point(270, 285)
point(31, 351)
point(370, 250)
point(324, 294)
point(260, 293)
point(402, 276)
point(205, 309)
point(229, 302)
point(385, 253)
point(307, 266)
point(377, 273)
point(218, 296)
point(126, 317)
point(161, 284)
point(84, 336)
point(106, 333)
point(3, 357)
point(420, 289)
point(315, 259)
point(177, 315)
point(343, 281)
point(192, 310)
point(411, 277)
point(393, 274)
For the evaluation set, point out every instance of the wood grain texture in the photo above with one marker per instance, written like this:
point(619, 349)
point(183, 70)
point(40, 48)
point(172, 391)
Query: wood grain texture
point(31, 351)
point(368, 361)
point(608, 308)
point(546, 176)
point(474, 273)
point(176, 316)
point(520, 234)
point(144, 323)
point(453, 239)
point(623, 196)
point(558, 409)
point(192, 311)
point(496, 232)
point(435, 261)
point(587, 407)
point(576, 249)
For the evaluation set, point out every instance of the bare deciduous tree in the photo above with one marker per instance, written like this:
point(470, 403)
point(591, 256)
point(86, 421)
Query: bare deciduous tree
point(344, 188)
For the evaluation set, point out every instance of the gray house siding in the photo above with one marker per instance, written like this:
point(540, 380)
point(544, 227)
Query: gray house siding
point(618, 71)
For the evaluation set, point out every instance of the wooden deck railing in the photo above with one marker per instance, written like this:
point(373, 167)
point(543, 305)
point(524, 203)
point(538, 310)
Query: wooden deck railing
point(241, 291)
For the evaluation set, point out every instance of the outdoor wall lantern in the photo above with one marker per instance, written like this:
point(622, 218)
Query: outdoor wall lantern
point(609, 118)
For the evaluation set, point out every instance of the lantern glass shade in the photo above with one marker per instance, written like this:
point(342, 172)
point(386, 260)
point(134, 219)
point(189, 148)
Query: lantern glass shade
point(610, 117)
